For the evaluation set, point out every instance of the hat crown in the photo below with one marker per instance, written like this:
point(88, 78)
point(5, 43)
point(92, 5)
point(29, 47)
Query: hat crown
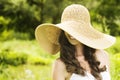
point(75, 12)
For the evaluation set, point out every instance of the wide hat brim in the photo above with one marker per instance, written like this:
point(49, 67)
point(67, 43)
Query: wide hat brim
point(48, 34)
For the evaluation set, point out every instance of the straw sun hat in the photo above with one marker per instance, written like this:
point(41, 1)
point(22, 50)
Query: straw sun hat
point(75, 21)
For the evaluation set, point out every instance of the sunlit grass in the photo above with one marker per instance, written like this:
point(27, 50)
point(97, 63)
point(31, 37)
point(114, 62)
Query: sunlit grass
point(115, 66)
point(38, 66)
point(26, 72)
point(39, 63)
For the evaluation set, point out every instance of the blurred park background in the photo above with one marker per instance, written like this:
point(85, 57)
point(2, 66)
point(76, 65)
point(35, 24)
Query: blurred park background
point(21, 57)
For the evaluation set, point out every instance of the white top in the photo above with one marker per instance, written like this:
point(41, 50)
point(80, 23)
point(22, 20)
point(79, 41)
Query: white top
point(105, 76)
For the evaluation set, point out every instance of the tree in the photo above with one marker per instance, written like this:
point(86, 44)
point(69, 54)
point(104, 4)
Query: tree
point(26, 15)
point(108, 11)
point(23, 17)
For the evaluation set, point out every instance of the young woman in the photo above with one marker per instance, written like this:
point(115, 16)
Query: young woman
point(77, 58)
point(81, 47)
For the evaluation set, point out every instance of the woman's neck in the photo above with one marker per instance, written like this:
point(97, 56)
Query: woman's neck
point(79, 50)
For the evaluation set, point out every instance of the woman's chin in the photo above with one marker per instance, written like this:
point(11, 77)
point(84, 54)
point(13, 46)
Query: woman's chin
point(75, 42)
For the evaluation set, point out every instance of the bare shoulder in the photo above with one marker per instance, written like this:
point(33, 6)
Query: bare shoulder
point(58, 72)
point(103, 57)
point(102, 53)
point(59, 64)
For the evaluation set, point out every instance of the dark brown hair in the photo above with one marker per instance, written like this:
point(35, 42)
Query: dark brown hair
point(67, 55)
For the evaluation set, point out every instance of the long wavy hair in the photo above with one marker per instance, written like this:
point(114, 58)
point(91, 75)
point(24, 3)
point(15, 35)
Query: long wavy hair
point(67, 55)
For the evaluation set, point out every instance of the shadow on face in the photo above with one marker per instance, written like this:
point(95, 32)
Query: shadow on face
point(71, 39)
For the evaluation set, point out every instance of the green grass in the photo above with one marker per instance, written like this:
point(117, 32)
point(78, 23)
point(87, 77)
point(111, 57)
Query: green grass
point(115, 66)
point(26, 72)
point(38, 64)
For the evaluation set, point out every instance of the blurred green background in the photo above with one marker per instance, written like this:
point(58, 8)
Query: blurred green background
point(21, 57)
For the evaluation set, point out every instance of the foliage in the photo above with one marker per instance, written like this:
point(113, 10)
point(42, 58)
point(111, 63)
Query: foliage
point(115, 66)
point(12, 58)
point(19, 55)
point(11, 35)
point(26, 72)
point(24, 15)
point(37, 60)
point(108, 11)
point(35, 64)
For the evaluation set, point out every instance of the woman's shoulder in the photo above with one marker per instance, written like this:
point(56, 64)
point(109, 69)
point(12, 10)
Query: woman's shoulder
point(59, 70)
point(103, 57)
point(59, 63)
point(101, 53)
